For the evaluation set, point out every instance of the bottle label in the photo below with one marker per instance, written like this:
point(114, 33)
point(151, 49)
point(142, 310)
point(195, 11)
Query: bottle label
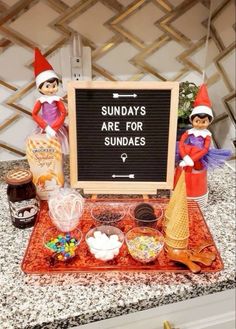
point(24, 212)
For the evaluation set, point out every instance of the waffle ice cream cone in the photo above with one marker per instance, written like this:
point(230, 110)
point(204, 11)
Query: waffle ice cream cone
point(176, 244)
point(173, 199)
point(177, 226)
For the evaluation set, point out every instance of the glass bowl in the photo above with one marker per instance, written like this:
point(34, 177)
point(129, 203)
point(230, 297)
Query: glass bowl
point(62, 246)
point(67, 224)
point(105, 242)
point(146, 214)
point(144, 243)
point(66, 207)
point(105, 214)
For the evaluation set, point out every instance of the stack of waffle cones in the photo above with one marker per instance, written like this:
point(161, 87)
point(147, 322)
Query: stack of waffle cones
point(176, 224)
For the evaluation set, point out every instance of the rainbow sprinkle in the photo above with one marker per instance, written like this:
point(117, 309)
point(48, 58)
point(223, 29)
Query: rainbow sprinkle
point(144, 248)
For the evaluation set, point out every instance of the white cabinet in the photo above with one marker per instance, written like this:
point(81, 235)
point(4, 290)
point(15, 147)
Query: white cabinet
point(216, 311)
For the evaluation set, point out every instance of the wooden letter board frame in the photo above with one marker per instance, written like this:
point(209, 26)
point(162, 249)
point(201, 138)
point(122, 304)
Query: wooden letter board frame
point(122, 187)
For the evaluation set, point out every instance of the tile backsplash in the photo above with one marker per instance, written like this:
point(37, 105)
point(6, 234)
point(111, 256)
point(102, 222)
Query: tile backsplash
point(154, 40)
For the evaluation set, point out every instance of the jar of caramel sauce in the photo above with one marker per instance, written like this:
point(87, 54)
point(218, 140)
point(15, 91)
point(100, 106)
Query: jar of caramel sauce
point(22, 199)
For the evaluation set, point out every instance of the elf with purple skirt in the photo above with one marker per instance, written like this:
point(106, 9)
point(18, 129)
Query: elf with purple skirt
point(53, 112)
point(194, 153)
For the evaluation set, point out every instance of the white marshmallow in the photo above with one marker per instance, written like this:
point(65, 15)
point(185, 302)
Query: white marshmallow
point(92, 250)
point(90, 241)
point(114, 237)
point(97, 234)
point(115, 244)
point(104, 238)
point(98, 244)
point(103, 247)
point(116, 251)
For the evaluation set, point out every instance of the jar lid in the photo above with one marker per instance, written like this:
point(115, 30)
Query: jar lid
point(18, 177)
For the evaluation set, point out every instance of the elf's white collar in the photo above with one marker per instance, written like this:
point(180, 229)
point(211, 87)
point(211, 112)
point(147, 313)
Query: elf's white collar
point(199, 132)
point(49, 99)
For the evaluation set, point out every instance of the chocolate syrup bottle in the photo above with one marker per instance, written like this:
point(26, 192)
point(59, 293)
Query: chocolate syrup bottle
point(22, 199)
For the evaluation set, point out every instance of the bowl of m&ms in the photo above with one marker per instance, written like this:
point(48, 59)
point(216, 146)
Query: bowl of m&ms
point(144, 243)
point(104, 242)
point(146, 214)
point(61, 246)
point(107, 214)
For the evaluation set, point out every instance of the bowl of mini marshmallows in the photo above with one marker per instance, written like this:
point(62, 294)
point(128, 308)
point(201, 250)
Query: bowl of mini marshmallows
point(105, 242)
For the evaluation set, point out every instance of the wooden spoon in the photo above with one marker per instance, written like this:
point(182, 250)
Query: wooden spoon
point(182, 256)
point(203, 246)
point(208, 254)
point(200, 258)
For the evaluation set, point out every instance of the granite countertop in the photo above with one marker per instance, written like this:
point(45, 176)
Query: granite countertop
point(63, 301)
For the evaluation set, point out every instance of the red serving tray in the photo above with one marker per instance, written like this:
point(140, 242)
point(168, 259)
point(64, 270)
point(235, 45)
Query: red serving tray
point(37, 261)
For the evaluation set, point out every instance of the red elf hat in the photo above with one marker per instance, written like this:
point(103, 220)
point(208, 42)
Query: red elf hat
point(43, 71)
point(202, 103)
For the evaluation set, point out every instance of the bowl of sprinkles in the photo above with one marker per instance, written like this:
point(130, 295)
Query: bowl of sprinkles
point(105, 214)
point(62, 246)
point(144, 243)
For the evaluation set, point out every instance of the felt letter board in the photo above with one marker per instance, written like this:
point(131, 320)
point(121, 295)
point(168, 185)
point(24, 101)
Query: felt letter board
point(122, 136)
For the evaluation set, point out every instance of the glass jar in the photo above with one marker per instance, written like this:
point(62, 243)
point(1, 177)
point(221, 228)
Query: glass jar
point(22, 199)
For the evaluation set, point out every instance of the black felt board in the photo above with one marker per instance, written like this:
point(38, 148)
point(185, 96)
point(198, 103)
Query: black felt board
point(97, 162)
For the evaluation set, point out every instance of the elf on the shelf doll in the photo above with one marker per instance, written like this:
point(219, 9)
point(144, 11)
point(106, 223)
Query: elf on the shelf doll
point(193, 150)
point(52, 117)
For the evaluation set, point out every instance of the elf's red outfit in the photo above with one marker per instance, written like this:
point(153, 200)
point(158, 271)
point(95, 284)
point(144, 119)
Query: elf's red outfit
point(49, 111)
point(43, 122)
point(196, 146)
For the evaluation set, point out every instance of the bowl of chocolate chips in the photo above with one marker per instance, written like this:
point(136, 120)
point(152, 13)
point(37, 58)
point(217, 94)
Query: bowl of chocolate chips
point(107, 214)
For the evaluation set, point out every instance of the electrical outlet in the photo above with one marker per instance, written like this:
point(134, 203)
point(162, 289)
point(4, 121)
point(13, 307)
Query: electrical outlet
point(76, 68)
point(76, 74)
point(71, 69)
